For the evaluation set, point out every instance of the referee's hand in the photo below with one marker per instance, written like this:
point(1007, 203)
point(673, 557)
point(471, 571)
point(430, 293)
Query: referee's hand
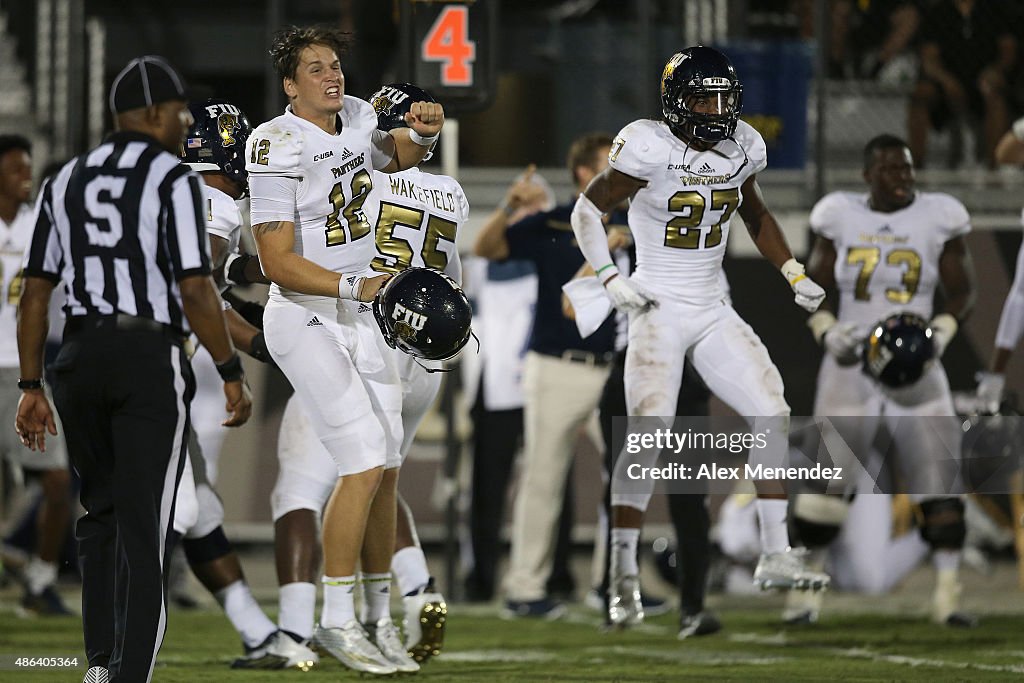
point(34, 419)
point(239, 403)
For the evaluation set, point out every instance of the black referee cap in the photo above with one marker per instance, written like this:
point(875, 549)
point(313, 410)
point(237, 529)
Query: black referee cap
point(146, 81)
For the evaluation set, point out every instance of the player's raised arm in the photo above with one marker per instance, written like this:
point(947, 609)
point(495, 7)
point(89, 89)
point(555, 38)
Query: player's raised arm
point(411, 144)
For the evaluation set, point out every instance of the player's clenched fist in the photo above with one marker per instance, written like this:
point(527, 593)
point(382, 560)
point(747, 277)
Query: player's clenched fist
point(808, 293)
point(426, 118)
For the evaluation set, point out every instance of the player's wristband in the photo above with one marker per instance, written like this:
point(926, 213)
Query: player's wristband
point(422, 141)
point(820, 323)
point(234, 269)
point(29, 384)
point(793, 271)
point(349, 287)
point(231, 370)
point(606, 272)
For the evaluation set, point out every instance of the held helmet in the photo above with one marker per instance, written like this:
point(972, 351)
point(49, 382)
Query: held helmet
point(216, 140)
point(701, 78)
point(898, 350)
point(424, 313)
point(392, 102)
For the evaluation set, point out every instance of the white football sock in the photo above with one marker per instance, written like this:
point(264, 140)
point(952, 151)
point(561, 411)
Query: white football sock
point(409, 567)
point(623, 555)
point(771, 513)
point(339, 601)
point(376, 597)
point(946, 560)
point(244, 613)
point(296, 605)
point(39, 574)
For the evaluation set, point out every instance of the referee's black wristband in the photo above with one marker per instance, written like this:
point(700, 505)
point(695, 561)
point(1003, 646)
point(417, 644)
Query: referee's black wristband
point(26, 384)
point(231, 371)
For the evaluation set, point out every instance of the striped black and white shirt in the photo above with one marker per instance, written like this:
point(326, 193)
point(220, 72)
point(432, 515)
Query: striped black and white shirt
point(120, 225)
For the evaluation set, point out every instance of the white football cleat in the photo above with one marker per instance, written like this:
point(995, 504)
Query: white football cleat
point(350, 646)
point(788, 570)
point(384, 634)
point(426, 617)
point(624, 603)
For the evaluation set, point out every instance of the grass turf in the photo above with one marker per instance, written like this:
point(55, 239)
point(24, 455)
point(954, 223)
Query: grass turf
point(482, 647)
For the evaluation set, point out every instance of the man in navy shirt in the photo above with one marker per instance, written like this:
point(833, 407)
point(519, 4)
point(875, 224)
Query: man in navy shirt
point(563, 378)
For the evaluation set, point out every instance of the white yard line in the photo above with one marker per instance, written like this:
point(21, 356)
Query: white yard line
point(779, 640)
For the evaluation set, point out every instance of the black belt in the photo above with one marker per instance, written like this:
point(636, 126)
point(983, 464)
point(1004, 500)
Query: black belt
point(122, 322)
point(586, 357)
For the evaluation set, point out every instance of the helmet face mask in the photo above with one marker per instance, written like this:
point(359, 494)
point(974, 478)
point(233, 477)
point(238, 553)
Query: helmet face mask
point(898, 350)
point(216, 140)
point(392, 102)
point(701, 96)
point(423, 313)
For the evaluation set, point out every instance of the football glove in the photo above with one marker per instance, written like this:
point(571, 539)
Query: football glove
point(944, 327)
point(990, 391)
point(843, 342)
point(625, 295)
point(809, 294)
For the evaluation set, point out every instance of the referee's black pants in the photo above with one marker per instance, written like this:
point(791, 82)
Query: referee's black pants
point(689, 513)
point(123, 397)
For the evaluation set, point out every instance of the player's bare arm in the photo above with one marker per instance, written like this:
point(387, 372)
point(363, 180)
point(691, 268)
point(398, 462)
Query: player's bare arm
point(821, 267)
point(610, 188)
point(425, 120)
point(218, 254)
point(956, 273)
point(275, 242)
point(762, 226)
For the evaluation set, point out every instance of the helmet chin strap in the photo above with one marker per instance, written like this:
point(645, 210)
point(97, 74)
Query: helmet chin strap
point(433, 370)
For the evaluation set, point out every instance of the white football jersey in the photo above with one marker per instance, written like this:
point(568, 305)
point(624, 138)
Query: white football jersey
point(680, 219)
point(14, 240)
point(416, 216)
point(887, 262)
point(223, 218)
point(335, 174)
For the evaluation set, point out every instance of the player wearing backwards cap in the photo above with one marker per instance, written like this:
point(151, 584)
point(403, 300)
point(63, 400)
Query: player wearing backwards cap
point(415, 216)
point(310, 173)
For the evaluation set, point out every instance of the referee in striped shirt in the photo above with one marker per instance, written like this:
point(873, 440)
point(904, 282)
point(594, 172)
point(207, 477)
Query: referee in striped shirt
point(123, 228)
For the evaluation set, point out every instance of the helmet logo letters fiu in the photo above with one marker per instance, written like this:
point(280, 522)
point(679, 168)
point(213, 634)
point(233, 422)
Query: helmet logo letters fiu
point(424, 313)
point(407, 323)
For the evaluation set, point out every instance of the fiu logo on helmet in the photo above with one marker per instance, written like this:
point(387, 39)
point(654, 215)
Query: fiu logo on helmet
point(387, 97)
point(227, 124)
point(407, 323)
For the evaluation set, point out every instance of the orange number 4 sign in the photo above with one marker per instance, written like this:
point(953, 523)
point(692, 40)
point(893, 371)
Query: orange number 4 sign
point(448, 42)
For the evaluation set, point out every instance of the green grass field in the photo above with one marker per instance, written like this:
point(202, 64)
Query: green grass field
point(482, 647)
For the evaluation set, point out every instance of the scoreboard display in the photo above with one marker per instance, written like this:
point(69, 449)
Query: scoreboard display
point(449, 48)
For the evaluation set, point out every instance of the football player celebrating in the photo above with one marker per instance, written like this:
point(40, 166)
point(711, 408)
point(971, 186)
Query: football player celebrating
point(887, 251)
point(685, 176)
point(416, 216)
point(311, 170)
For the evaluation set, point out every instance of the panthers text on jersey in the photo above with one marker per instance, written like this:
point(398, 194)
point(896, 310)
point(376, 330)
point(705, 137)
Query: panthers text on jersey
point(335, 174)
point(680, 219)
point(14, 240)
point(415, 217)
point(887, 262)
